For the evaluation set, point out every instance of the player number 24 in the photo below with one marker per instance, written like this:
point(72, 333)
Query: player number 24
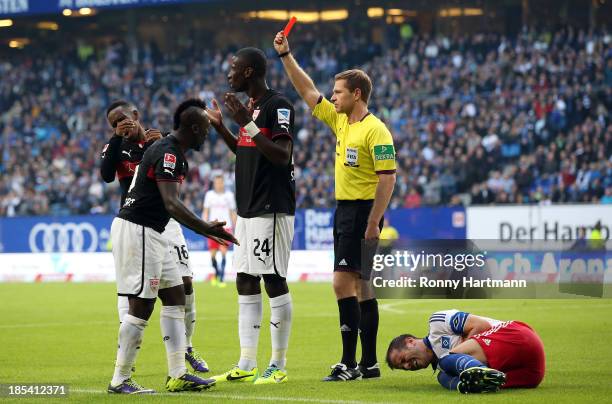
point(262, 247)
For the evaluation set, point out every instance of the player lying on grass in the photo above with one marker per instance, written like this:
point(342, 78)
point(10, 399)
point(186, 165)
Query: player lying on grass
point(474, 354)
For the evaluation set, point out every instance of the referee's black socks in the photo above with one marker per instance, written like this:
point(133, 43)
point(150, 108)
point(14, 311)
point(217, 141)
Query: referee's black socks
point(349, 329)
point(368, 328)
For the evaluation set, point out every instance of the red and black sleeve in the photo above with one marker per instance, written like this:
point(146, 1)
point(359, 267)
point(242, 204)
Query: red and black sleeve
point(111, 155)
point(170, 167)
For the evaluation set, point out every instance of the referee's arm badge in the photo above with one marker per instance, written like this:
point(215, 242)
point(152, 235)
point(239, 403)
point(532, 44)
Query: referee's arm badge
point(384, 157)
point(384, 152)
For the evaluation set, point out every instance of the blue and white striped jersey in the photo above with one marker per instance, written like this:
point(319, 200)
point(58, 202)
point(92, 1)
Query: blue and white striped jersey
point(446, 330)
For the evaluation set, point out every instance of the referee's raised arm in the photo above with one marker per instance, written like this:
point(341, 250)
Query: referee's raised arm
point(364, 180)
point(301, 81)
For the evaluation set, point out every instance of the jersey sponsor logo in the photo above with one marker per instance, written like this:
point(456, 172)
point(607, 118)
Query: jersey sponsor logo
point(487, 341)
point(283, 115)
point(128, 152)
point(169, 161)
point(445, 342)
point(244, 139)
point(168, 171)
point(384, 152)
point(63, 237)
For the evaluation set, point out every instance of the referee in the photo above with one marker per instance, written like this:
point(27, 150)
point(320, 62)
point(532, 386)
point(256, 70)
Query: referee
point(365, 177)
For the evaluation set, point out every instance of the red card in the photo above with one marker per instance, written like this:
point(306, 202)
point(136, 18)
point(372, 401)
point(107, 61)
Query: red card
point(289, 25)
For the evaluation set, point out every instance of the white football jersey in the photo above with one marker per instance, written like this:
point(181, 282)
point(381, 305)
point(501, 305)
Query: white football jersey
point(446, 330)
point(220, 206)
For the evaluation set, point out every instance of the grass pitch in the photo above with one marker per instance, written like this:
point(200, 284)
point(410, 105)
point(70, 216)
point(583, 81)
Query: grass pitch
point(67, 333)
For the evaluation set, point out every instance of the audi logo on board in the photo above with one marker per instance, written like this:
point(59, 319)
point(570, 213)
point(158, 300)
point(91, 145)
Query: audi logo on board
point(63, 237)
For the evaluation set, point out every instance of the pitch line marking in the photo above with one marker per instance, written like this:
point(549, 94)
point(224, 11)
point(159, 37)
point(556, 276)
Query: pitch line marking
point(238, 397)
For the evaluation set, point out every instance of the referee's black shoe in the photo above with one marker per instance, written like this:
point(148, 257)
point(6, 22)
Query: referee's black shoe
point(370, 372)
point(341, 373)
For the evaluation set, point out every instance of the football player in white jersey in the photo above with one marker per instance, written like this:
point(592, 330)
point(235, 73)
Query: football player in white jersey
point(475, 354)
point(220, 205)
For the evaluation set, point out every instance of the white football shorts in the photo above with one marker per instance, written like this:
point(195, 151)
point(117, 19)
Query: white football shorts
point(143, 263)
point(265, 244)
point(178, 247)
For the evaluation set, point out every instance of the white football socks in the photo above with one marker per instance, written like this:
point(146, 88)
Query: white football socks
point(130, 338)
point(280, 327)
point(190, 317)
point(123, 306)
point(172, 320)
point(250, 314)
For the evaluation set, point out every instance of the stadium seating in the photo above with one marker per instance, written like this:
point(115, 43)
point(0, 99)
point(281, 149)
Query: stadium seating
point(476, 120)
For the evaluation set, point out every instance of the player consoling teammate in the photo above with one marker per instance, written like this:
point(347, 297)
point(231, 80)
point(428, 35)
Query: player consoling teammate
point(120, 156)
point(364, 181)
point(145, 268)
point(474, 354)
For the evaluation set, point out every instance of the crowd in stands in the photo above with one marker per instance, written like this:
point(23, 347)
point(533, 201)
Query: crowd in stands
point(480, 119)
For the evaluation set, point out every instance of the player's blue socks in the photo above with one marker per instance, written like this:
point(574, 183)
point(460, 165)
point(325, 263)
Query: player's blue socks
point(454, 364)
point(222, 269)
point(447, 381)
point(215, 266)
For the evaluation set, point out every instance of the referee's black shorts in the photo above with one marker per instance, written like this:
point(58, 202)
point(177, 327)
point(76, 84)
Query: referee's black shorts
point(350, 223)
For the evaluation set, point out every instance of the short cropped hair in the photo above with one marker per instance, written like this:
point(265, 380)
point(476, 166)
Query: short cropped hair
point(117, 104)
point(183, 106)
point(356, 78)
point(254, 58)
point(397, 343)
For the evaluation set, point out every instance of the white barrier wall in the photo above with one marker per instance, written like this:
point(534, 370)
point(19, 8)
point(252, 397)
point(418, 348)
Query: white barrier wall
point(532, 222)
point(99, 267)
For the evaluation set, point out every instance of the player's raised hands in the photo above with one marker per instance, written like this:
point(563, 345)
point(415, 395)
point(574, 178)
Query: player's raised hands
point(216, 231)
point(237, 110)
point(215, 115)
point(281, 44)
